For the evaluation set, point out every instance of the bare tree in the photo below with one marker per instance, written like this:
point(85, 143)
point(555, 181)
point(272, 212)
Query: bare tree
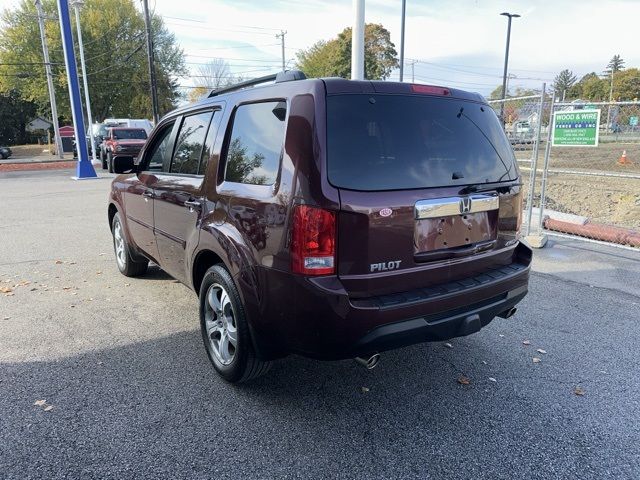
point(213, 74)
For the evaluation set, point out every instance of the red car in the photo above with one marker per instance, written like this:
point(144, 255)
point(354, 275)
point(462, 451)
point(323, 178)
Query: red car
point(122, 142)
point(326, 217)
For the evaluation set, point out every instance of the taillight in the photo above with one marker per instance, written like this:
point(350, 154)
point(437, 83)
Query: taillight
point(429, 89)
point(313, 241)
point(510, 213)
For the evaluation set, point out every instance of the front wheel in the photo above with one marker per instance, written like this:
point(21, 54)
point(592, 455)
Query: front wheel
point(127, 265)
point(225, 330)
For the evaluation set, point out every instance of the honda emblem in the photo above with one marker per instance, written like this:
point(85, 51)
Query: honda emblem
point(465, 205)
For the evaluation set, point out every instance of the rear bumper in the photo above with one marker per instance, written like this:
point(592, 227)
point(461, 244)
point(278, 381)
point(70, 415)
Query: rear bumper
point(315, 317)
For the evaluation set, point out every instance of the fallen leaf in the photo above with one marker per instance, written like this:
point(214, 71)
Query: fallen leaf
point(448, 345)
point(501, 335)
point(6, 289)
point(536, 360)
point(48, 408)
point(491, 379)
point(364, 389)
point(72, 263)
point(526, 342)
point(66, 288)
point(58, 262)
point(33, 289)
point(98, 273)
point(541, 351)
point(72, 306)
point(39, 403)
point(462, 380)
point(578, 391)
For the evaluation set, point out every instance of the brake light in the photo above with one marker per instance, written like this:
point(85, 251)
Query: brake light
point(429, 89)
point(313, 241)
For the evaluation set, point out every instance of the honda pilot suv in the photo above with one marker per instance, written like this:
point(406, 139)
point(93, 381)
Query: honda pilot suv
point(329, 218)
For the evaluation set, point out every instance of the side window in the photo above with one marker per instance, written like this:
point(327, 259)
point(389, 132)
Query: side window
point(186, 157)
point(158, 152)
point(209, 142)
point(255, 145)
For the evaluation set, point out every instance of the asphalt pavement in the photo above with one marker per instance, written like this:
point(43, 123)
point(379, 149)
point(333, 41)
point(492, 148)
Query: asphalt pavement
point(102, 376)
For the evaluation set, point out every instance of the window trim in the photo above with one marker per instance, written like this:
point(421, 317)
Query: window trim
point(222, 182)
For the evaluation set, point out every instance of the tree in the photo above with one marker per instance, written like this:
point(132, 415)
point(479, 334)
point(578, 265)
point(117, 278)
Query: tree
point(496, 94)
point(590, 87)
point(615, 64)
point(15, 113)
point(115, 52)
point(626, 85)
point(563, 83)
point(333, 57)
point(210, 76)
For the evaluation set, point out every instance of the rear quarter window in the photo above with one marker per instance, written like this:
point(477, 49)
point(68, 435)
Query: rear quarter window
point(393, 142)
point(255, 144)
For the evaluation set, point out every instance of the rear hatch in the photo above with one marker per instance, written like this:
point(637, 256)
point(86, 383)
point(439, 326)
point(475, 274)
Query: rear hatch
point(429, 190)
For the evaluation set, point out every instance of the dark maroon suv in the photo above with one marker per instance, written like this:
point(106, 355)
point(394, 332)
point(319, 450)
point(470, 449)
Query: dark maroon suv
point(328, 218)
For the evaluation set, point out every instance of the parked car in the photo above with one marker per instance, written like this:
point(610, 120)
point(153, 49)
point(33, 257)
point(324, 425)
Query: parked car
point(122, 142)
point(5, 152)
point(329, 218)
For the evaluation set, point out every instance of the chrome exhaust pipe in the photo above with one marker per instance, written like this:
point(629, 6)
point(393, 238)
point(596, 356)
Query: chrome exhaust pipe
point(368, 362)
point(508, 313)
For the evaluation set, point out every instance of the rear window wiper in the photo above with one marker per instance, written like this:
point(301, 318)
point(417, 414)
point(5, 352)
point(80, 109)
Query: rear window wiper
point(500, 187)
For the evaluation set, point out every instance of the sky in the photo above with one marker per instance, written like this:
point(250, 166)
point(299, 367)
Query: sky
point(456, 43)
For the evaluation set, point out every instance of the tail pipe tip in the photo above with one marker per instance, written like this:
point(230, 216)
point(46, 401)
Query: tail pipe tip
point(368, 362)
point(508, 313)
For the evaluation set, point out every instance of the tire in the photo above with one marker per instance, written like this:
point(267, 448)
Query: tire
point(110, 162)
point(238, 366)
point(126, 264)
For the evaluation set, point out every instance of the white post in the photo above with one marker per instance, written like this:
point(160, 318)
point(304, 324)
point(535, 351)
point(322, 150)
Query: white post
point(52, 92)
point(86, 87)
point(357, 41)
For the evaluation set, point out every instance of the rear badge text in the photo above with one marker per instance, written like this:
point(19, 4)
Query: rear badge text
point(385, 266)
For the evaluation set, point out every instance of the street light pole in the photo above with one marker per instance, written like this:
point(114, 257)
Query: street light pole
point(77, 4)
point(52, 93)
point(404, 9)
point(506, 62)
point(357, 41)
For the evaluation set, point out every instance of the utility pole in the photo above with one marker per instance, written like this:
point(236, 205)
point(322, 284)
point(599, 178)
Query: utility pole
point(152, 68)
point(413, 72)
point(357, 41)
point(610, 100)
point(510, 16)
point(281, 37)
point(52, 93)
point(77, 4)
point(404, 9)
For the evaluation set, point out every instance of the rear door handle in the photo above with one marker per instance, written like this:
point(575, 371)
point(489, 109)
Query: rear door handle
point(193, 204)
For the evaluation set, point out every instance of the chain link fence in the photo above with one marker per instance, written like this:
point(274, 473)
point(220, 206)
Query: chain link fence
point(592, 192)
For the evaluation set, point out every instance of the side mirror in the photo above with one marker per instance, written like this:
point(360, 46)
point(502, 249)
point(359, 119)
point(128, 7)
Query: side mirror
point(124, 165)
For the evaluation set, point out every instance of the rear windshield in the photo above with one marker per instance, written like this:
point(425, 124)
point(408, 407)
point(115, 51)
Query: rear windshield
point(392, 142)
point(129, 134)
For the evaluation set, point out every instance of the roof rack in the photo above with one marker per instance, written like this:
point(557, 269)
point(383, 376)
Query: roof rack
point(284, 76)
